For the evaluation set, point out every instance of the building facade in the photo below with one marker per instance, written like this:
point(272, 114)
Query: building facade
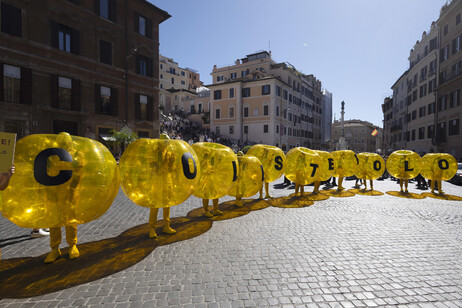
point(177, 85)
point(259, 100)
point(421, 81)
point(432, 109)
point(326, 118)
point(84, 67)
point(448, 113)
point(358, 135)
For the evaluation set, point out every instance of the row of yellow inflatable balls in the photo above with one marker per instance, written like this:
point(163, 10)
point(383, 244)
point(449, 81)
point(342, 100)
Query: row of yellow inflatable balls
point(63, 180)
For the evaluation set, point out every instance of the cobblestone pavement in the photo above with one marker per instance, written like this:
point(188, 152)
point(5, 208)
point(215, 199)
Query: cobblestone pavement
point(341, 252)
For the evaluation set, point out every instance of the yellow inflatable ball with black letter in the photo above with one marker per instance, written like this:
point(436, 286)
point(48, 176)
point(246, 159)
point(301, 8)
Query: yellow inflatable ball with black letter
point(371, 166)
point(249, 180)
point(404, 164)
point(327, 166)
point(302, 166)
point(60, 180)
point(273, 160)
point(218, 164)
point(159, 173)
point(438, 166)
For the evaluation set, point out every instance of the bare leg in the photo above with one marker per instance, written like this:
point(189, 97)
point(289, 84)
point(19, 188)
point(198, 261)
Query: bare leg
point(261, 193)
point(239, 201)
point(440, 183)
point(372, 185)
point(406, 182)
point(401, 184)
point(365, 184)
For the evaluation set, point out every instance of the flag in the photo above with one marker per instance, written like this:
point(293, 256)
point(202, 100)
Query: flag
point(374, 132)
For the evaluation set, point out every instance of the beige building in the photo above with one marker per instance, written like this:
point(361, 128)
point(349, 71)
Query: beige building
point(259, 100)
point(432, 107)
point(358, 135)
point(177, 85)
point(421, 84)
point(448, 113)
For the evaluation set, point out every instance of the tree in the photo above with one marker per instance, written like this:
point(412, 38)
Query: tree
point(124, 137)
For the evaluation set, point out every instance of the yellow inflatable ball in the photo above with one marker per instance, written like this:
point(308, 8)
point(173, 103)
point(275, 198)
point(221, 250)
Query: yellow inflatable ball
point(371, 166)
point(272, 158)
point(250, 177)
point(60, 180)
point(347, 163)
point(438, 166)
point(218, 165)
point(303, 166)
point(159, 173)
point(404, 164)
point(327, 165)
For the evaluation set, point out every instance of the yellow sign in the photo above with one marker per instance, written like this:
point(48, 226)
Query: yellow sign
point(7, 143)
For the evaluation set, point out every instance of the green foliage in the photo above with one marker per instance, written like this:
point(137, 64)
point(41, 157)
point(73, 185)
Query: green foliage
point(124, 137)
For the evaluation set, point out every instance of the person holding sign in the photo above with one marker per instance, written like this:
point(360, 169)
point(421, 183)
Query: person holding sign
point(5, 178)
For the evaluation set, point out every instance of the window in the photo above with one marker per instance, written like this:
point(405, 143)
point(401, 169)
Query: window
point(441, 131)
point(431, 108)
point(143, 103)
point(444, 53)
point(431, 131)
point(442, 104)
point(217, 113)
point(217, 130)
point(246, 112)
point(233, 75)
point(144, 66)
point(64, 92)
point(278, 91)
point(231, 112)
point(105, 52)
point(106, 9)
point(414, 114)
point(143, 25)
point(65, 38)
point(456, 45)
point(445, 30)
point(217, 94)
point(173, 80)
point(265, 90)
point(414, 95)
point(277, 129)
point(11, 83)
point(285, 94)
point(231, 93)
point(454, 99)
point(421, 111)
point(432, 67)
point(246, 129)
point(421, 133)
point(200, 108)
point(265, 128)
point(231, 130)
point(219, 78)
point(431, 85)
point(277, 111)
point(106, 100)
point(182, 73)
point(11, 20)
point(413, 134)
point(265, 110)
point(183, 82)
point(457, 19)
point(453, 127)
point(423, 90)
point(245, 92)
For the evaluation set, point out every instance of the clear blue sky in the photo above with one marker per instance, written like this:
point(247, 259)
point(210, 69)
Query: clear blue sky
point(357, 48)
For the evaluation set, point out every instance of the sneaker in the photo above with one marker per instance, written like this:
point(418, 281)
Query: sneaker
point(39, 233)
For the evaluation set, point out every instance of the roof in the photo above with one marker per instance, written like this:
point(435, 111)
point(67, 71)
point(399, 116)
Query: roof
point(163, 14)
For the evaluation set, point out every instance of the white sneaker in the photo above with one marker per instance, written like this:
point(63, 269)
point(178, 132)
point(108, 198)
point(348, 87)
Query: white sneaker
point(39, 233)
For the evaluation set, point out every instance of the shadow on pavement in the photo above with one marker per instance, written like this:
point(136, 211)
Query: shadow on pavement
point(29, 277)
